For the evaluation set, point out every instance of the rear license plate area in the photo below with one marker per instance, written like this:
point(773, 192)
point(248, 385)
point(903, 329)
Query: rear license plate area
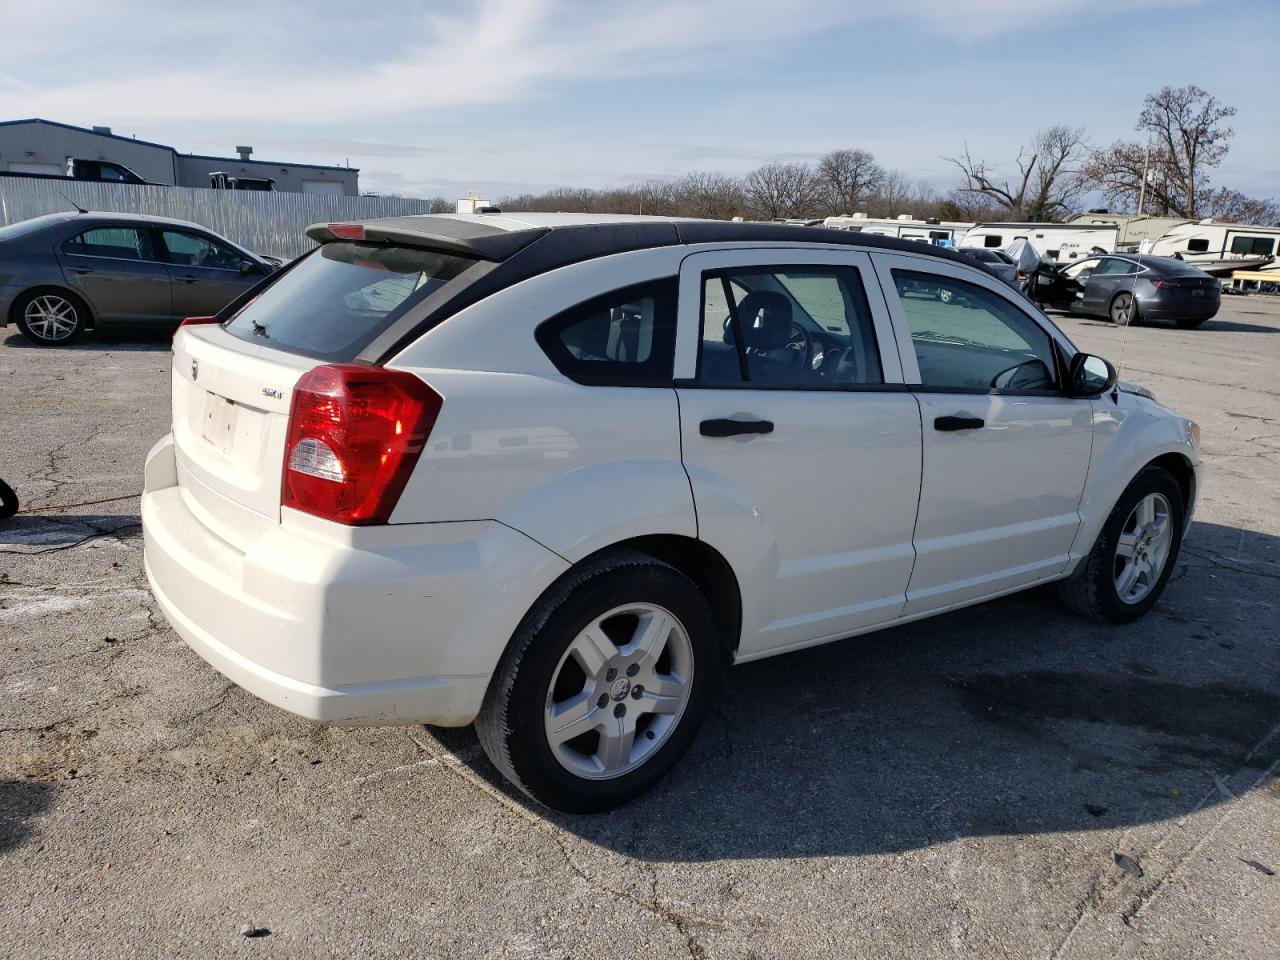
point(219, 425)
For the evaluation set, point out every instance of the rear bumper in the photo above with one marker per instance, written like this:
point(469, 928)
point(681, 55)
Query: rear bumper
point(385, 625)
point(1182, 308)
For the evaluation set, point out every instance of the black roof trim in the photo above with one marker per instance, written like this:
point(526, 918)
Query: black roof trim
point(94, 133)
point(516, 255)
point(271, 163)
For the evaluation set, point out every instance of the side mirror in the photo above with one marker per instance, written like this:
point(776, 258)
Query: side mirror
point(1090, 376)
point(248, 266)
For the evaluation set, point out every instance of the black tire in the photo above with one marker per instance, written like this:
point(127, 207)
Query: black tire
point(54, 298)
point(511, 721)
point(1119, 316)
point(1189, 323)
point(8, 501)
point(1091, 590)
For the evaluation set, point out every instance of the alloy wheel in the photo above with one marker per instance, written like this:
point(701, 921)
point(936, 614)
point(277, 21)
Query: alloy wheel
point(1122, 309)
point(619, 691)
point(51, 317)
point(1142, 549)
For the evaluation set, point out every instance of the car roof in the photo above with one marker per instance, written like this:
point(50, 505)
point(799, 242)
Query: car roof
point(571, 237)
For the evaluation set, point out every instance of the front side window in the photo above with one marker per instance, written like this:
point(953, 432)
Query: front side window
point(787, 326)
point(623, 338)
point(192, 250)
point(969, 338)
point(338, 299)
point(120, 243)
point(1081, 269)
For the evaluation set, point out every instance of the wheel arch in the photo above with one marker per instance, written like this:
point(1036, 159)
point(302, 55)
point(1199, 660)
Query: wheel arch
point(91, 319)
point(1182, 471)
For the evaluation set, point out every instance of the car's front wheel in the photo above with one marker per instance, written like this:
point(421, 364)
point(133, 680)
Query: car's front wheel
point(604, 685)
point(50, 317)
point(1130, 563)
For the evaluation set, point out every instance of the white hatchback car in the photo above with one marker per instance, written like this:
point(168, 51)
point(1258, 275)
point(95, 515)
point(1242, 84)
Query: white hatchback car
point(551, 473)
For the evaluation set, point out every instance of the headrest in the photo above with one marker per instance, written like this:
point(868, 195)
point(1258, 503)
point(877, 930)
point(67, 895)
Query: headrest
point(766, 320)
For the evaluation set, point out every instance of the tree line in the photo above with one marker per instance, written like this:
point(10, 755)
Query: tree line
point(1183, 137)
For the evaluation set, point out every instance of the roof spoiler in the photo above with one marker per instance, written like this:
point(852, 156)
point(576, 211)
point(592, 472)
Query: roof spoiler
point(433, 233)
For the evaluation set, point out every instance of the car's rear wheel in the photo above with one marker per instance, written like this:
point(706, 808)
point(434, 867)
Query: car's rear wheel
point(1134, 555)
point(50, 317)
point(604, 686)
point(1189, 323)
point(1124, 309)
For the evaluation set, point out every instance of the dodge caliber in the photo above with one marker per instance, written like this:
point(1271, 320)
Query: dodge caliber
point(552, 474)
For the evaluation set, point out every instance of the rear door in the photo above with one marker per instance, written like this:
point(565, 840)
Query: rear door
point(1005, 452)
point(1112, 275)
point(116, 270)
point(205, 272)
point(801, 443)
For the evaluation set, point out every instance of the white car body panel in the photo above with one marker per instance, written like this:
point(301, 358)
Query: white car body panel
point(851, 515)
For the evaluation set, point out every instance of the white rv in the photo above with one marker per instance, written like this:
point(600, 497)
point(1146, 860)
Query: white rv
point(1135, 229)
point(1208, 243)
point(1059, 242)
point(940, 233)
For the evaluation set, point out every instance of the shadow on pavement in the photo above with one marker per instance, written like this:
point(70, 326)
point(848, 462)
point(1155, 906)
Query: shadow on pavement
point(125, 339)
point(1007, 718)
point(20, 803)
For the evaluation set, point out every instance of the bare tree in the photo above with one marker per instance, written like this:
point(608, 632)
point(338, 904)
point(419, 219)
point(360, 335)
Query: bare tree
point(1235, 207)
point(1047, 182)
point(893, 196)
point(1187, 137)
point(847, 178)
point(783, 190)
point(711, 195)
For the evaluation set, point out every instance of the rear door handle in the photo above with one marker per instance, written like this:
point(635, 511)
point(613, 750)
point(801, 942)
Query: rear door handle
point(958, 423)
point(732, 428)
point(187, 278)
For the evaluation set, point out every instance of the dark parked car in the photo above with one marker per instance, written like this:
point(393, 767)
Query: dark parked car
point(1128, 287)
point(67, 271)
point(1001, 264)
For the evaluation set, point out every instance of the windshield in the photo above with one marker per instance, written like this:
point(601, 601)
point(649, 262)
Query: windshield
point(339, 298)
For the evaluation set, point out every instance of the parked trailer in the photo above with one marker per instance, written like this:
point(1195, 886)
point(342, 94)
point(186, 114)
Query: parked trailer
point(1135, 229)
point(1208, 242)
point(940, 233)
point(1057, 242)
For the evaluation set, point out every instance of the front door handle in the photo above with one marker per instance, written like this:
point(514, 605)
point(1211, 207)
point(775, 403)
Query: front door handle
point(946, 424)
point(187, 278)
point(80, 271)
point(732, 428)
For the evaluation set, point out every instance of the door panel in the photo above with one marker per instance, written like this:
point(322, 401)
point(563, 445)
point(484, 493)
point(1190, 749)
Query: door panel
point(805, 474)
point(206, 274)
point(114, 270)
point(1005, 455)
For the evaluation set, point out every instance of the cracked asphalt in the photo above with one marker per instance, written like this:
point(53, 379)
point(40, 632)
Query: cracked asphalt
point(1006, 781)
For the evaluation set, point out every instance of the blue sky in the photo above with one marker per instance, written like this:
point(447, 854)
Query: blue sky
point(506, 95)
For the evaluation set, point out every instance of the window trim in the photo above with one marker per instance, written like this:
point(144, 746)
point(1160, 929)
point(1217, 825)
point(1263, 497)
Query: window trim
point(725, 274)
point(664, 291)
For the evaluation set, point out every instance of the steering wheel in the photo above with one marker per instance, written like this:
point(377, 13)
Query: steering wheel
point(801, 342)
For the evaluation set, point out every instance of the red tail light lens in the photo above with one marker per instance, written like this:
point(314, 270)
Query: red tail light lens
point(1160, 284)
point(355, 434)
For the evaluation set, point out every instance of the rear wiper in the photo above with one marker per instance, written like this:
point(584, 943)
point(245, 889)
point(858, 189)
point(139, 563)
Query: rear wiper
point(259, 330)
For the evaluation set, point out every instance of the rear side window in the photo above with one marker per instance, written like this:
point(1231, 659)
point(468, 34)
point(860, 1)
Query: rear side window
point(334, 302)
point(1198, 245)
point(625, 338)
point(120, 243)
point(1252, 246)
point(993, 240)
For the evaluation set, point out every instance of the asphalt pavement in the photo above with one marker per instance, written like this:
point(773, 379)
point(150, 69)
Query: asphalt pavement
point(1005, 781)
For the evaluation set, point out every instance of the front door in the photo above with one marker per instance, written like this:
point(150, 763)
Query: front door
point(206, 274)
point(1005, 451)
point(801, 442)
point(116, 271)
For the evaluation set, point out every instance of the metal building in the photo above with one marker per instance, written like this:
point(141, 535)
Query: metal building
point(45, 146)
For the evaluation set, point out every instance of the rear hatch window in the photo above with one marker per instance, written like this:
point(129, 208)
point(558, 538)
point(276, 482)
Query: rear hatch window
point(341, 297)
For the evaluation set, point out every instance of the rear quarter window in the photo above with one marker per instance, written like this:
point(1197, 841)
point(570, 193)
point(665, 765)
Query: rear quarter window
point(334, 302)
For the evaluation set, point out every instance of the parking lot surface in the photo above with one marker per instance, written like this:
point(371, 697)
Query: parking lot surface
point(1006, 781)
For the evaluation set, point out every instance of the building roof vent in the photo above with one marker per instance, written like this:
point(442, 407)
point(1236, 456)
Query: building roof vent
point(245, 152)
point(105, 131)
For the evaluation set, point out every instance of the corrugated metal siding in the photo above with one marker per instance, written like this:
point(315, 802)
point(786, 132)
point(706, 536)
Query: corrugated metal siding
point(263, 222)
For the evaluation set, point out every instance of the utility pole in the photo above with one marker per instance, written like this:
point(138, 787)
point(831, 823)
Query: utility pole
point(1142, 191)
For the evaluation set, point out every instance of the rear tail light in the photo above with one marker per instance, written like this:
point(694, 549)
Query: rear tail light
point(193, 322)
point(1160, 284)
point(354, 436)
